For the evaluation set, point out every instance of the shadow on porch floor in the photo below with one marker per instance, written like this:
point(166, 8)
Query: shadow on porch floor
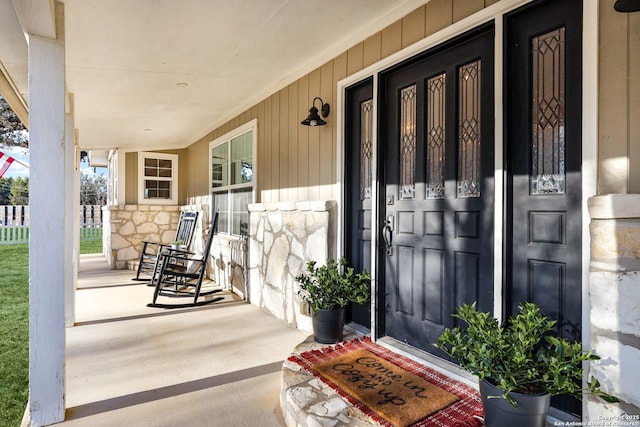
point(127, 364)
point(216, 365)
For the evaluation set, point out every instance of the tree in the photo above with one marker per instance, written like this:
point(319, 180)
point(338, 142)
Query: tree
point(19, 194)
point(5, 190)
point(12, 131)
point(93, 189)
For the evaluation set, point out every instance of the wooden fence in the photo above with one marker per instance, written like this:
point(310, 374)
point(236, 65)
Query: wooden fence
point(14, 224)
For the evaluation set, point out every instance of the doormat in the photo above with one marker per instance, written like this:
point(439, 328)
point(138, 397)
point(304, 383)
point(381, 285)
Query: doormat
point(393, 390)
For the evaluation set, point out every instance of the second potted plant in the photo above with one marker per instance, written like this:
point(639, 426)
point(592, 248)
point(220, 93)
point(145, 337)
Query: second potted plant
point(519, 365)
point(329, 289)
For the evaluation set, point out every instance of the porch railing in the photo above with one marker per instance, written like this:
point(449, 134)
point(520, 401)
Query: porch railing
point(14, 234)
point(14, 224)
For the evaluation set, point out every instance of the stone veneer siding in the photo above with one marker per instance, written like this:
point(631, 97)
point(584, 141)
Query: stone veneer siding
point(614, 295)
point(127, 226)
point(283, 238)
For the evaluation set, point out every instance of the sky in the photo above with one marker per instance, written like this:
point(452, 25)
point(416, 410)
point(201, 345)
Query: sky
point(17, 170)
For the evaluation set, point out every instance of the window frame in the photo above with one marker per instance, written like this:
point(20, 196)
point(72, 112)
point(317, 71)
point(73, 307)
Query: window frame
point(142, 156)
point(251, 126)
point(112, 188)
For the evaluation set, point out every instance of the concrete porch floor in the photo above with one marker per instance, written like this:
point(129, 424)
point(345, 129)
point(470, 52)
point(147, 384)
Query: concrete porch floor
point(130, 365)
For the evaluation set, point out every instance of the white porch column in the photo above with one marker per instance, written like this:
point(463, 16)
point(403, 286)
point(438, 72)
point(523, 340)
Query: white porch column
point(76, 215)
point(71, 220)
point(48, 240)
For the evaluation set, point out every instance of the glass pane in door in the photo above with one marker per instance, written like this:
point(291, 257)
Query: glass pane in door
point(469, 130)
point(408, 142)
point(436, 90)
point(366, 149)
point(548, 113)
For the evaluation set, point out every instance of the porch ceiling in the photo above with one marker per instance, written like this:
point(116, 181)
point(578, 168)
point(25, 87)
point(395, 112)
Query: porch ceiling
point(127, 61)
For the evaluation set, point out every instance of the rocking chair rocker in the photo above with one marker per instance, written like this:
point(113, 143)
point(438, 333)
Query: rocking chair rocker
point(180, 275)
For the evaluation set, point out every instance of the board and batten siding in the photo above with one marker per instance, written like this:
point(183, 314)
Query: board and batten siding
point(184, 175)
point(131, 179)
point(297, 162)
point(619, 101)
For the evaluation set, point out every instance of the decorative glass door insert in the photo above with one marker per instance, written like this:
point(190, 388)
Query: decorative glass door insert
point(366, 148)
point(469, 130)
point(548, 113)
point(408, 142)
point(436, 130)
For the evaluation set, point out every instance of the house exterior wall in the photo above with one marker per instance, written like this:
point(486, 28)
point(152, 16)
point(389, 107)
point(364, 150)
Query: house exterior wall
point(614, 279)
point(297, 163)
point(131, 178)
point(283, 238)
point(126, 227)
point(614, 290)
point(182, 176)
point(619, 101)
point(619, 104)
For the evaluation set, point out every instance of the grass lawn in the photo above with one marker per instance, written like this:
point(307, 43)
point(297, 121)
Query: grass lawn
point(91, 246)
point(14, 328)
point(14, 333)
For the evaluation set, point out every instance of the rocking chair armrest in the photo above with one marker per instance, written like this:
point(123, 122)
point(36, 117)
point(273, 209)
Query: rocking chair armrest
point(146, 244)
point(180, 257)
point(161, 245)
point(169, 251)
point(169, 246)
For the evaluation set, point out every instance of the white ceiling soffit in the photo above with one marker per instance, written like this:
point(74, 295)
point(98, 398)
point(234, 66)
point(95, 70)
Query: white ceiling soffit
point(37, 16)
point(13, 54)
point(155, 73)
point(98, 158)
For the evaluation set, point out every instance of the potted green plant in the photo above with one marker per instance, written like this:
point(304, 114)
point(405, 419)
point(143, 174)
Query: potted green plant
point(177, 244)
point(519, 364)
point(329, 289)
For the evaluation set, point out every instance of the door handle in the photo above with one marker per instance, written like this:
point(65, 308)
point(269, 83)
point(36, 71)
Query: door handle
point(387, 234)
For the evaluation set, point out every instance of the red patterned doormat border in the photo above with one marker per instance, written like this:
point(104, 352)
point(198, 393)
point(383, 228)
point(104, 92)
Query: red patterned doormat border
point(466, 412)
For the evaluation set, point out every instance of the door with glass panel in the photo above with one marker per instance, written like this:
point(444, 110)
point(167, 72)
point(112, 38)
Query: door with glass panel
point(436, 205)
point(359, 189)
point(543, 143)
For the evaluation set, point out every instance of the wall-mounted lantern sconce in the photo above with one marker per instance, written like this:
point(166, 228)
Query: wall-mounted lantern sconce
point(626, 6)
point(314, 119)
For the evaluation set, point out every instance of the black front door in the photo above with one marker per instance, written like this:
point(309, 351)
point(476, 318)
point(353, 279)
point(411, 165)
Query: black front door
point(437, 167)
point(359, 188)
point(543, 145)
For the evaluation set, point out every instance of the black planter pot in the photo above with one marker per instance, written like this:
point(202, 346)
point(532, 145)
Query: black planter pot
point(531, 411)
point(328, 325)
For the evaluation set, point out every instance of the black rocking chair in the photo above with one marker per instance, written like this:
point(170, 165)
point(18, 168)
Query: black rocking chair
point(180, 275)
point(148, 264)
